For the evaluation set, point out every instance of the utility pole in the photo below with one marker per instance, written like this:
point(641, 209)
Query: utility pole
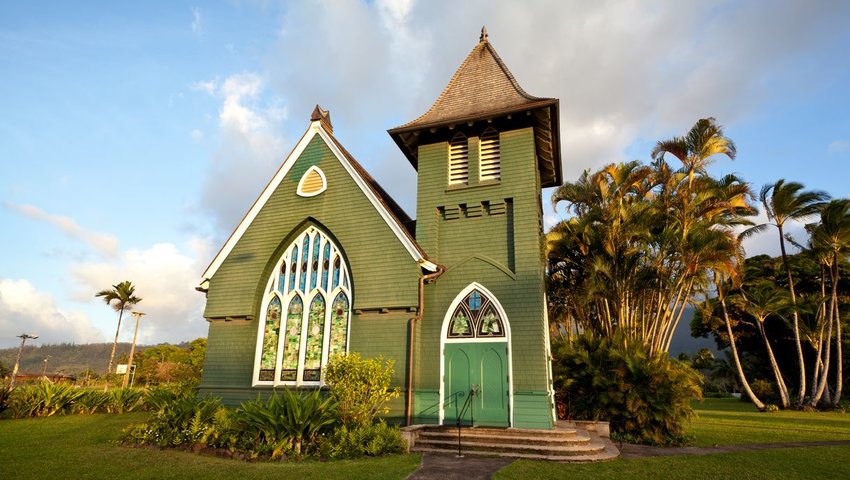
point(23, 337)
point(44, 370)
point(138, 315)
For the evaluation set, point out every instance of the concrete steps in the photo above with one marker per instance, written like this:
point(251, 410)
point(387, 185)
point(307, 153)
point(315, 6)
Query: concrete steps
point(565, 444)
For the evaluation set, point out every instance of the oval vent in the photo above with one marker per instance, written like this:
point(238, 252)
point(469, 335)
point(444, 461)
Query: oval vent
point(312, 183)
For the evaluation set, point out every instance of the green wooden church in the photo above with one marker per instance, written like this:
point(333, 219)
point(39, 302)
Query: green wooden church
point(325, 262)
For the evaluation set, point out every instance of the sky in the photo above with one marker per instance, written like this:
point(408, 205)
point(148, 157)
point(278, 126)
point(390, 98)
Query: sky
point(135, 136)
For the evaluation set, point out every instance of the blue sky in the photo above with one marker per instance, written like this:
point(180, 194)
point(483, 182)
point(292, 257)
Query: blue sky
point(133, 137)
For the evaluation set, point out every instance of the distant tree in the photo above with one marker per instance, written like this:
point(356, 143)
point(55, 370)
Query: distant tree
point(785, 201)
point(121, 297)
point(4, 370)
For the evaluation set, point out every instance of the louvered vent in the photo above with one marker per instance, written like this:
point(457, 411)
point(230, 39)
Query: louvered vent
point(459, 160)
point(312, 183)
point(491, 163)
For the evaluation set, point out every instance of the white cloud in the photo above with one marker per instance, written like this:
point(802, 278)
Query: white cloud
point(23, 309)
point(208, 87)
point(104, 244)
point(251, 147)
point(839, 146)
point(165, 278)
point(197, 135)
point(197, 26)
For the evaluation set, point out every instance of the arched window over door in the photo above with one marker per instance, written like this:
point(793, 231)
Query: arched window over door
point(476, 316)
point(311, 284)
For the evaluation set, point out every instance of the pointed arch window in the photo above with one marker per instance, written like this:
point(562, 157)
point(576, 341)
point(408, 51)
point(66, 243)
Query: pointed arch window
point(459, 160)
point(311, 284)
point(489, 155)
point(476, 317)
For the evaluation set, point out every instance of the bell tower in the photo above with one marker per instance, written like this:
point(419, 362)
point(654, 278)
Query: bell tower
point(482, 152)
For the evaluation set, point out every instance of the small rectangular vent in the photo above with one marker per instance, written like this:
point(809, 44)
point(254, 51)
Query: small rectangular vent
point(490, 159)
point(459, 161)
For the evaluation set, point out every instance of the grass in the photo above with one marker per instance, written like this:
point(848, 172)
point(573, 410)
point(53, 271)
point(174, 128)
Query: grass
point(727, 422)
point(86, 446)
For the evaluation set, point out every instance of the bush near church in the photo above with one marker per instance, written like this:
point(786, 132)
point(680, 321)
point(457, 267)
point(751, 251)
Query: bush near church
point(646, 398)
point(339, 423)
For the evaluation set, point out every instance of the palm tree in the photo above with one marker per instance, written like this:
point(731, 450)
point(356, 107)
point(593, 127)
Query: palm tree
point(782, 202)
point(704, 140)
point(832, 238)
point(763, 301)
point(121, 297)
point(745, 385)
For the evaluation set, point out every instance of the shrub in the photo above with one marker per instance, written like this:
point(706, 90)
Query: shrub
point(182, 421)
point(92, 401)
point(43, 399)
point(372, 440)
point(361, 387)
point(5, 393)
point(122, 400)
point(764, 390)
point(645, 398)
point(286, 421)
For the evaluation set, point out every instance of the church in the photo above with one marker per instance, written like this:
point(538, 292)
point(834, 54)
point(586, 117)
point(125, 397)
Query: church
point(325, 262)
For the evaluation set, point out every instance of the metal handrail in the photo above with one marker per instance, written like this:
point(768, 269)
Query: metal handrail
point(467, 404)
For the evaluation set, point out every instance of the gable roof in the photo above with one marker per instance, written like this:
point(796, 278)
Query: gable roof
point(395, 217)
point(483, 88)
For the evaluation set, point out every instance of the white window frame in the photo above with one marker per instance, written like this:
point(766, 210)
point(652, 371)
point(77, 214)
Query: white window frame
point(274, 289)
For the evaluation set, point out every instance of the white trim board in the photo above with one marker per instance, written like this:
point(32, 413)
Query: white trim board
point(314, 129)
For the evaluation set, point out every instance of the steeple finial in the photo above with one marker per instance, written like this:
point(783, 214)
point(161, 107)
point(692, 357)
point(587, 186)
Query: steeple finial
point(483, 37)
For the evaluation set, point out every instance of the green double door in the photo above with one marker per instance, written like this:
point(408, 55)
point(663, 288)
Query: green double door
point(482, 367)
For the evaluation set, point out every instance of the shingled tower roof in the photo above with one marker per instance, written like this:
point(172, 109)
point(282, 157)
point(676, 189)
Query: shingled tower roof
point(483, 88)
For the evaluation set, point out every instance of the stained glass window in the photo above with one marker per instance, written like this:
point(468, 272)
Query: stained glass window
point(292, 347)
point(460, 324)
point(325, 265)
point(314, 270)
point(339, 325)
point(476, 316)
point(315, 337)
point(293, 268)
point(336, 272)
point(270, 336)
point(303, 278)
point(310, 268)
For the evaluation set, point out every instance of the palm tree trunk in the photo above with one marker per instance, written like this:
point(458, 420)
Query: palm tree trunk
point(822, 319)
point(825, 373)
point(780, 383)
point(801, 362)
point(114, 345)
point(744, 383)
point(839, 373)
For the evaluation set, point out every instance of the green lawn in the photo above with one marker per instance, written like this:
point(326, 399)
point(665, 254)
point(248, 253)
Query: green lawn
point(724, 421)
point(727, 422)
point(85, 446)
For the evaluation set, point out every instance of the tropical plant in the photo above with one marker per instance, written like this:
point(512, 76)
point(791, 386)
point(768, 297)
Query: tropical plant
point(830, 239)
point(643, 240)
point(121, 297)
point(122, 400)
point(184, 420)
point(645, 397)
point(784, 201)
point(360, 387)
point(92, 401)
point(43, 399)
point(371, 440)
point(287, 420)
point(764, 301)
